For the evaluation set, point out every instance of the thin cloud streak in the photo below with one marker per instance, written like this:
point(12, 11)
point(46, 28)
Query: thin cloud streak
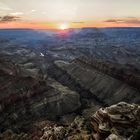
point(16, 14)
point(131, 20)
point(78, 22)
point(9, 19)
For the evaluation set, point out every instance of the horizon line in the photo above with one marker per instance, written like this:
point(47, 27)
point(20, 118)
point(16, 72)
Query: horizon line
point(70, 28)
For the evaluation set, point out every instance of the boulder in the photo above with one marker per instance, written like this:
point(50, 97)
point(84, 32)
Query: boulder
point(121, 119)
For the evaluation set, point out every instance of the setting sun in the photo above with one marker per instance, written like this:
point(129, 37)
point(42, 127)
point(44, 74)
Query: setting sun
point(63, 26)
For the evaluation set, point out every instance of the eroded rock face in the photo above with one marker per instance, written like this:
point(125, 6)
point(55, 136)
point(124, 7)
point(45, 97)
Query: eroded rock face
point(26, 92)
point(13, 85)
point(120, 120)
point(100, 85)
point(57, 100)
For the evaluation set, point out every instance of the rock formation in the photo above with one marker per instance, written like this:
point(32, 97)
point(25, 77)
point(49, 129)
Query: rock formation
point(77, 130)
point(27, 92)
point(102, 86)
point(117, 122)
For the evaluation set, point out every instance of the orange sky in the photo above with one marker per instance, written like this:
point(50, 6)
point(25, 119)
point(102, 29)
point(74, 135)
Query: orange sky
point(46, 25)
point(48, 14)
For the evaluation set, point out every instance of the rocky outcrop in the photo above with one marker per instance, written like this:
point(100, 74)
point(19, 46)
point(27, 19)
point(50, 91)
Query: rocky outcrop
point(47, 130)
point(57, 101)
point(10, 135)
point(102, 86)
point(127, 73)
point(75, 131)
point(117, 121)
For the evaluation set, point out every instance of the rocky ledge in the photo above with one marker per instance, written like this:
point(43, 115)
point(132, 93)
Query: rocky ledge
point(117, 122)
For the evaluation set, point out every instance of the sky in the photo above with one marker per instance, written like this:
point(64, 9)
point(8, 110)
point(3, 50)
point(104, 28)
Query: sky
point(71, 13)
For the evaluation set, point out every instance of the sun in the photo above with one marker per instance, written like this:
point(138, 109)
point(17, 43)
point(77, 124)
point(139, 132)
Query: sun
point(63, 26)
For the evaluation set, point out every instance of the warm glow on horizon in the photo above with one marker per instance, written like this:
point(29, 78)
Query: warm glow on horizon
point(63, 26)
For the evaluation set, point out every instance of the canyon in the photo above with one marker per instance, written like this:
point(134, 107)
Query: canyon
point(68, 91)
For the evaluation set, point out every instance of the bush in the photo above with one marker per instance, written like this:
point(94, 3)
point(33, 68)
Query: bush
point(136, 135)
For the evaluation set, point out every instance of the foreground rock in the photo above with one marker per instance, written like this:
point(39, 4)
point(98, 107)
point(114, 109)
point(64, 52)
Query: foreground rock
point(117, 121)
point(78, 130)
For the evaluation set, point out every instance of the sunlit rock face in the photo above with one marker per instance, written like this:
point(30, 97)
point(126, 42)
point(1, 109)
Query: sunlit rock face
point(116, 121)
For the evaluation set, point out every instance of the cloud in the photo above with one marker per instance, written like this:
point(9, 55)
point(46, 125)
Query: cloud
point(129, 20)
point(16, 14)
point(9, 18)
point(134, 21)
point(33, 10)
point(78, 22)
point(112, 20)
